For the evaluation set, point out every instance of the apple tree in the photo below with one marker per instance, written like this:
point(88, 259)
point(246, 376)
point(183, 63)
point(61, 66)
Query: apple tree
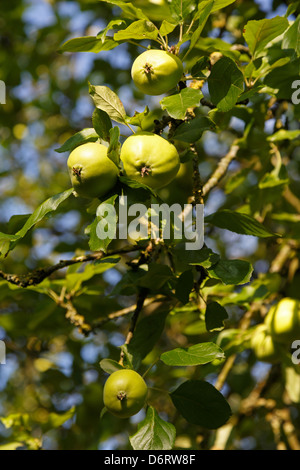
point(138, 342)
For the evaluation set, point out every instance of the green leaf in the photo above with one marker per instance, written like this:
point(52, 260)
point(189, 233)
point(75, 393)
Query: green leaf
point(129, 10)
point(136, 185)
point(249, 93)
point(108, 224)
point(203, 17)
point(191, 131)
point(237, 179)
point(16, 420)
point(276, 178)
point(238, 222)
point(147, 333)
point(88, 44)
point(110, 366)
point(156, 277)
point(8, 242)
point(219, 4)
point(167, 27)
point(44, 209)
point(141, 29)
point(74, 280)
point(180, 9)
point(102, 124)
point(178, 104)
point(200, 68)
point(11, 446)
point(184, 286)
point(292, 8)
point(262, 66)
point(183, 258)
point(258, 34)
point(114, 148)
point(279, 81)
point(291, 39)
point(105, 99)
point(283, 134)
point(225, 83)
point(215, 315)
point(153, 433)
point(130, 361)
point(137, 119)
point(82, 137)
point(56, 420)
point(195, 355)
point(111, 25)
point(233, 271)
point(201, 403)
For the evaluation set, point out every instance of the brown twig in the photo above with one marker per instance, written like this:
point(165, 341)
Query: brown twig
point(36, 277)
point(221, 169)
point(139, 306)
point(292, 199)
point(64, 300)
point(279, 261)
point(126, 311)
point(197, 184)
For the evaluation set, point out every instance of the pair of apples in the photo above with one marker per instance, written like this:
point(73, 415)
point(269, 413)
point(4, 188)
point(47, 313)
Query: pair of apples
point(147, 158)
point(272, 338)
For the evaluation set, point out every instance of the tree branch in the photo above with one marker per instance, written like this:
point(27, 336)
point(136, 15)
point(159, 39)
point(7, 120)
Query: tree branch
point(142, 295)
point(197, 184)
point(221, 169)
point(36, 277)
point(292, 199)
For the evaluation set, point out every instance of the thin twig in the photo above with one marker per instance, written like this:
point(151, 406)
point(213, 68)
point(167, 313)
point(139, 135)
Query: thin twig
point(292, 199)
point(126, 311)
point(197, 184)
point(139, 306)
point(36, 277)
point(221, 170)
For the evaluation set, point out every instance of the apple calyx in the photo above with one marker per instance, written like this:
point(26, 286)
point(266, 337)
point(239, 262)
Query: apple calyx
point(148, 69)
point(121, 396)
point(145, 171)
point(77, 172)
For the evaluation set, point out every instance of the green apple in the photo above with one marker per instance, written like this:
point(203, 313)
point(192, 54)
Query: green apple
point(125, 393)
point(264, 346)
point(92, 173)
point(283, 320)
point(155, 72)
point(150, 159)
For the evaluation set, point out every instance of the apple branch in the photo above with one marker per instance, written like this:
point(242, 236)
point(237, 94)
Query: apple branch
point(221, 169)
point(36, 277)
point(197, 184)
point(141, 297)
